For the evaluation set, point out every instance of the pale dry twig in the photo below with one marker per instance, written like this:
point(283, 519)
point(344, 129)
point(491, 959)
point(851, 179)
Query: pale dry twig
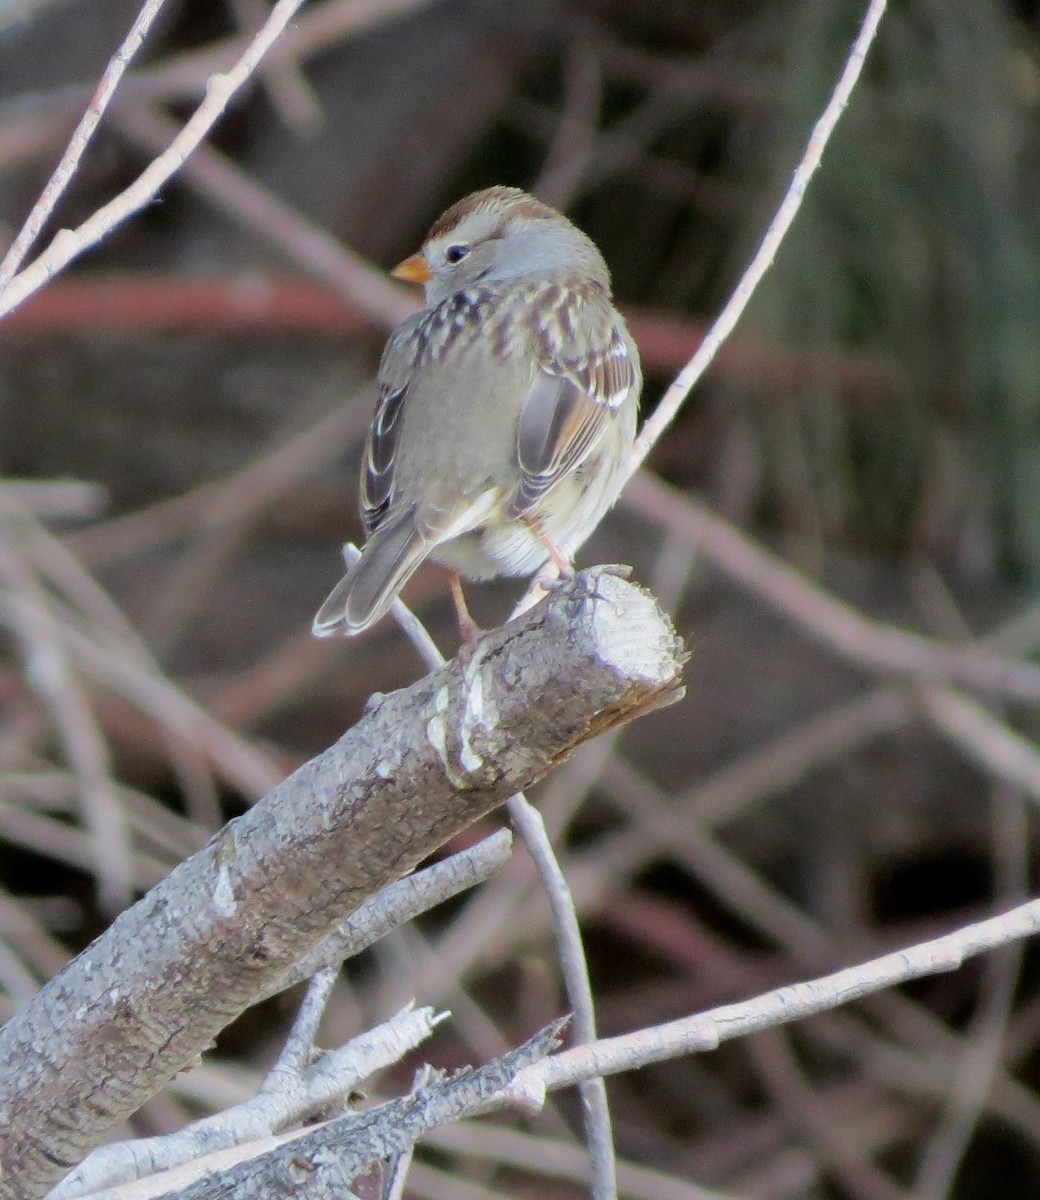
point(68, 244)
point(66, 168)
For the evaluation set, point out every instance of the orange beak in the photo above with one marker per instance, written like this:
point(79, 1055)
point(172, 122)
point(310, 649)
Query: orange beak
point(413, 270)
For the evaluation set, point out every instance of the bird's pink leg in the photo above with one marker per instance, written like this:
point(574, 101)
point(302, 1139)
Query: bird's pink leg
point(564, 565)
point(469, 629)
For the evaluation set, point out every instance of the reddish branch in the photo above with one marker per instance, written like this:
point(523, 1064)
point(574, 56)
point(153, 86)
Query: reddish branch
point(145, 303)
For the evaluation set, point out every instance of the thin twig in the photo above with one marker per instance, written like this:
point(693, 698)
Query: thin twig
point(287, 86)
point(84, 131)
point(50, 670)
point(401, 902)
point(529, 825)
point(723, 325)
point(334, 1153)
point(875, 645)
point(397, 1124)
point(235, 192)
point(574, 140)
point(236, 760)
point(666, 828)
point(807, 1112)
point(68, 499)
point(69, 244)
point(985, 739)
point(560, 1161)
point(282, 1101)
point(707, 1031)
point(298, 1050)
point(211, 505)
point(398, 1165)
point(80, 592)
point(293, 457)
point(965, 1100)
point(316, 29)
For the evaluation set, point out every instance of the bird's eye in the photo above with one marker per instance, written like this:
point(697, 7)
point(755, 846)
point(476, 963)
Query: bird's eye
point(455, 254)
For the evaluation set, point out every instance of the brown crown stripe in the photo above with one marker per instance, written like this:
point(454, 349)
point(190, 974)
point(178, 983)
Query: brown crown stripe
point(517, 202)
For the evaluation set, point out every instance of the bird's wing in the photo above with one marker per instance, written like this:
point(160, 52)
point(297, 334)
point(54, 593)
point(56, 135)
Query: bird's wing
point(377, 469)
point(579, 389)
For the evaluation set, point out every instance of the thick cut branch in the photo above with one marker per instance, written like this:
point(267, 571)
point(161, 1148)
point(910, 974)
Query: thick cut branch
point(147, 997)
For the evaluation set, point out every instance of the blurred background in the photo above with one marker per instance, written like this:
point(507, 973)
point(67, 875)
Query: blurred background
point(180, 426)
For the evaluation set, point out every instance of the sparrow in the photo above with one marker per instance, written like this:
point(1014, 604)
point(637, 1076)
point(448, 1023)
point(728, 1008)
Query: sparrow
point(506, 412)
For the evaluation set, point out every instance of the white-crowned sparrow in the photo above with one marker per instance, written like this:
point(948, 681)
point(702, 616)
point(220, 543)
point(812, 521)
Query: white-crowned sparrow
point(506, 410)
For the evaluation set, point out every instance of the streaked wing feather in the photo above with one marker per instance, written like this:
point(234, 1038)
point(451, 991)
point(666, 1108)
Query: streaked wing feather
point(400, 357)
point(564, 413)
point(377, 473)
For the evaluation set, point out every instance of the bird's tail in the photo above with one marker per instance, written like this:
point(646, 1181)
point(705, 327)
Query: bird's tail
point(363, 595)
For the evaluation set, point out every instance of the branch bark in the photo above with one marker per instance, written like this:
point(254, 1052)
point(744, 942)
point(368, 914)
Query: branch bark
point(144, 1000)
